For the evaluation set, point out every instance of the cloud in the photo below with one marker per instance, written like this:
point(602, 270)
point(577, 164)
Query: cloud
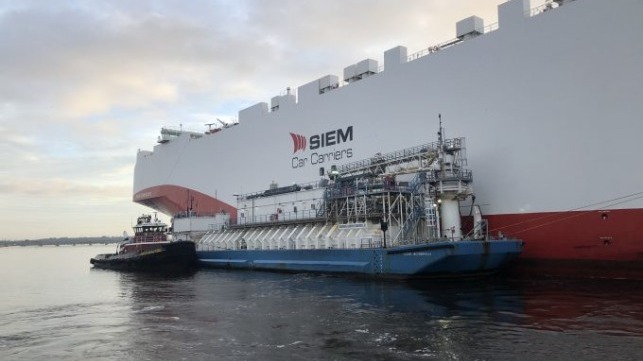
point(65, 188)
point(84, 84)
point(82, 64)
point(90, 60)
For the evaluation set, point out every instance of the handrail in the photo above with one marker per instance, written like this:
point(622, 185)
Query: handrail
point(550, 5)
point(418, 181)
point(382, 159)
point(486, 30)
point(277, 218)
point(303, 187)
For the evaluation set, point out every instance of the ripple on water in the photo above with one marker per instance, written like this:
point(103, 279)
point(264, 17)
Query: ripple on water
point(257, 315)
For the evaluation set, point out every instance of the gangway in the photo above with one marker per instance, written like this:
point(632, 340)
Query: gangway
point(415, 158)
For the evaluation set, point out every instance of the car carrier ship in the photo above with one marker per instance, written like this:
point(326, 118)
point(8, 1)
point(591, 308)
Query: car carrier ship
point(549, 99)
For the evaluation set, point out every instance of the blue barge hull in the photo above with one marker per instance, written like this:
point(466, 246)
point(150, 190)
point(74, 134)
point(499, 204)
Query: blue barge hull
point(438, 259)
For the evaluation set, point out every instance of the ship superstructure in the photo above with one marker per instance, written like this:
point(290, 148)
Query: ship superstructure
point(340, 223)
point(413, 193)
point(549, 99)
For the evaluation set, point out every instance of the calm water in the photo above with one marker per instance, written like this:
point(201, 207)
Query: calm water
point(53, 306)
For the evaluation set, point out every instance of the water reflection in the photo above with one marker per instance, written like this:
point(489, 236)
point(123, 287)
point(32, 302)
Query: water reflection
point(238, 315)
point(597, 305)
point(69, 311)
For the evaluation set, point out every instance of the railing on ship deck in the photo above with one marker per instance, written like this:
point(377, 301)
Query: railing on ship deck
point(487, 29)
point(282, 217)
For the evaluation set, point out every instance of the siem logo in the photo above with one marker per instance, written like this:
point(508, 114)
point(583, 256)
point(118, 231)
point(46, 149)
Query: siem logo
point(322, 140)
point(299, 142)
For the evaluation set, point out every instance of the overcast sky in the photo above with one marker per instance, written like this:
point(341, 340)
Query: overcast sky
point(84, 84)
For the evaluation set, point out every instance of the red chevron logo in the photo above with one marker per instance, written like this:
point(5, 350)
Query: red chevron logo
point(299, 142)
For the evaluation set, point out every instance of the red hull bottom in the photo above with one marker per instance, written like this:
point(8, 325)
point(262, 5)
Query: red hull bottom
point(598, 235)
point(172, 200)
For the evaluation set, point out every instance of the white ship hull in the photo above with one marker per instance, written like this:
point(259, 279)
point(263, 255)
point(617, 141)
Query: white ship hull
point(550, 105)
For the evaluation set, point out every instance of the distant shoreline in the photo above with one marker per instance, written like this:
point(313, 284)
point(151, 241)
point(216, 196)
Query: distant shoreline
point(65, 241)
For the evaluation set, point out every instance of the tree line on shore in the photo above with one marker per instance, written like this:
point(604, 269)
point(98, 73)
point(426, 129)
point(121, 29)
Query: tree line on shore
point(62, 241)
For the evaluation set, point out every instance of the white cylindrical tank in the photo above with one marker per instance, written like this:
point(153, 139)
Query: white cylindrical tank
point(478, 224)
point(450, 219)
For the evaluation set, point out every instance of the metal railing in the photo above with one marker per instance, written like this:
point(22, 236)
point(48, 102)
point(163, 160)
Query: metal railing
point(389, 158)
point(464, 175)
point(550, 5)
point(278, 217)
point(418, 211)
point(294, 188)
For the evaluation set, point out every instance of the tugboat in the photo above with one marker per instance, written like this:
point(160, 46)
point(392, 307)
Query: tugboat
point(149, 250)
